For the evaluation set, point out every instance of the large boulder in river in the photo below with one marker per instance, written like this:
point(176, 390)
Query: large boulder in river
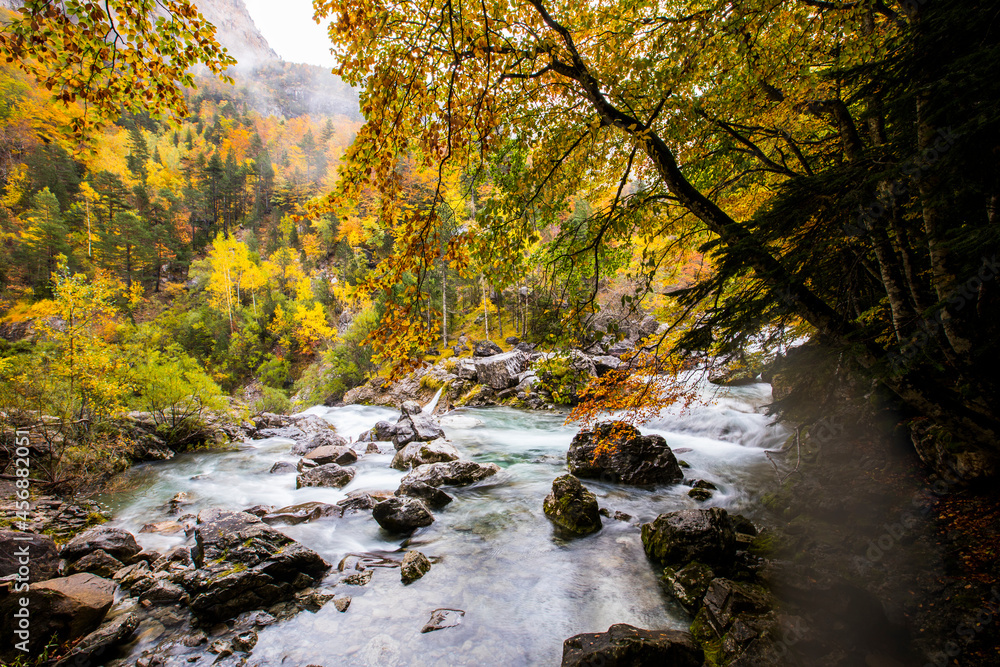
point(418, 427)
point(418, 453)
point(339, 454)
point(626, 646)
point(453, 473)
point(67, 608)
point(322, 439)
point(328, 475)
point(402, 514)
point(485, 348)
point(572, 507)
point(432, 496)
point(244, 564)
point(617, 451)
point(703, 535)
point(115, 542)
point(500, 371)
point(40, 550)
point(302, 513)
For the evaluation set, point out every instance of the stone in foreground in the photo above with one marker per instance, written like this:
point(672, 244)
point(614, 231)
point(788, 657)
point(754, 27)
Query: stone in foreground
point(443, 618)
point(402, 514)
point(453, 473)
point(572, 507)
point(619, 452)
point(115, 542)
point(419, 453)
point(677, 538)
point(414, 566)
point(626, 646)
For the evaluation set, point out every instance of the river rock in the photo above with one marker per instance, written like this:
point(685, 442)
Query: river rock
point(452, 473)
point(115, 542)
point(688, 584)
point(617, 451)
point(433, 497)
point(419, 427)
point(626, 646)
point(303, 513)
point(67, 607)
point(98, 562)
point(500, 371)
point(329, 475)
point(418, 453)
point(411, 408)
point(443, 618)
point(402, 514)
point(244, 565)
point(339, 454)
point(485, 348)
point(414, 566)
point(322, 439)
point(40, 550)
point(282, 467)
point(572, 507)
point(703, 535)
point(465, 369)
point(96, 647)
point(164, 592)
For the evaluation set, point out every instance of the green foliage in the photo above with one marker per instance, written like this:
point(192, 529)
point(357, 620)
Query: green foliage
point(557, 376)
point(271, 400)
point(275, 372)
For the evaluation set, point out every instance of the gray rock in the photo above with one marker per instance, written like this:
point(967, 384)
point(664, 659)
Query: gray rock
point(402, 514)
point(415, 565)
point(677, 538)
point(419, 427)
point(688, 584)
point(466, 369)
point(97, 562)
point(624, 646)
point(604, 364)
point(282, 467)
point(418, 453)
point(339, 454)
point(431, 496)
point(342, 602)
point(357, 502)
point(100, 644)
point(244, 565)
point(329, 475)
point(116, 542)
point(67, 607)
point(325, 438)
point(501, 370)
point(411, 408)
point(383, 431)
point(485, 348)
point(617, 451)
point(572, 507)
point(453, 473)
point(41, 552)
point(164, 592)
point(302, 513)
point(443, 618)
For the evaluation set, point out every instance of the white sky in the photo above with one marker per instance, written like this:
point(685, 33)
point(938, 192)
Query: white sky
point(289, 28)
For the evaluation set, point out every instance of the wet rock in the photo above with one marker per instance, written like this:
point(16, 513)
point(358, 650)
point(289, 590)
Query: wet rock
point(357, 502)
point(501, 371)
point(325, 438)
point(136, 578)
point(169, 527)
point(411, 408)
point(433, 497)
point(302, 513)
point(701, 495)
point(453, 473)
point(259, 510)
point(688, 584)
point(617, 451)
point(358, 578)
point(100, 644)
point(724, 600)
point(419, 427)
point(116, 542)
point(244, 641)
point(41, 551)
point(402, 514)
point(329, 475)
point(466, 369)
point(743, 525)
point(342, 602)
point(383, 431)
point(415, 565)
point(704, 484)
point(178, 502)
point(339, 454)
point(282, 467)
point(164, 592)
point(572, 507)
point(312, 600)
point(626, 646)
point(254, 619)
point(244, 564)
point(418, 453)
point(443, 618)
point(67, 607)
point(98, 562)
point(677, 538)
point(485, 348)
point(372, 448)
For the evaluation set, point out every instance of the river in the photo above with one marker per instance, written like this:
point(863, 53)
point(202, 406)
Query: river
point(496, 557)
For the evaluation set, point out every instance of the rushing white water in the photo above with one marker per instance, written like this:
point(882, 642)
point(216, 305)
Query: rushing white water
point(524, 589)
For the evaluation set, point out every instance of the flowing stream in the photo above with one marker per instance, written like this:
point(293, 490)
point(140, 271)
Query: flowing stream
point(524, 589)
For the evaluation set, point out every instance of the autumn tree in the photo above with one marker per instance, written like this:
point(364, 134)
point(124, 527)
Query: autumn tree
point(832, 158)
